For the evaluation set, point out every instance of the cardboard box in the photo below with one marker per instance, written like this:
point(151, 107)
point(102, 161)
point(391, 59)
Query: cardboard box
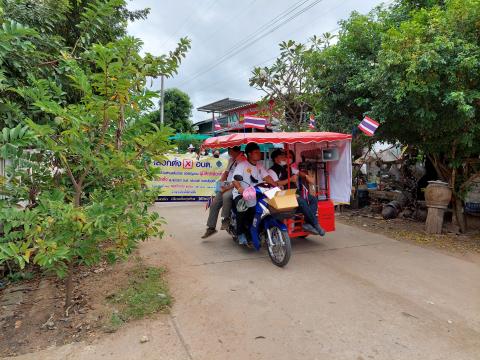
point(284, 200)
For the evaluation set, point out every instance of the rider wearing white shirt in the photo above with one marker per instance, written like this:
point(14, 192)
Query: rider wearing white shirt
point(252, 173)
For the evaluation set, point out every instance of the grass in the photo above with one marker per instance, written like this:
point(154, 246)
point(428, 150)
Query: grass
point(146, 294)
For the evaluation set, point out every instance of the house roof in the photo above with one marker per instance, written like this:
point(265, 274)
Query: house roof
point(224, 105)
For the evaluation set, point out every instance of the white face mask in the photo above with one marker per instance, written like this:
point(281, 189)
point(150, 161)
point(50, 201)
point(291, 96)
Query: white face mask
point(283, 163)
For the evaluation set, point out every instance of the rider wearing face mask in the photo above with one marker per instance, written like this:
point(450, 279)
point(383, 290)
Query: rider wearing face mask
point(308, 206)
point(279, 170)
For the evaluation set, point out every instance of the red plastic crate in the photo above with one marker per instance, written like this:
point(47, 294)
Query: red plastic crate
point(326, 215)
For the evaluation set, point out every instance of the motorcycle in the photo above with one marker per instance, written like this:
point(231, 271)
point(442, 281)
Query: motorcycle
point(267, 227)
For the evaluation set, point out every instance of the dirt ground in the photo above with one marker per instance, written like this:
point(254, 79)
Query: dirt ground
point(353, 294)
point(451, 242)
point(32, 316)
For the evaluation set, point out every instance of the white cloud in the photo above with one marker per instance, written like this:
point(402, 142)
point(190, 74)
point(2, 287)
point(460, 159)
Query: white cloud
point(215, 26)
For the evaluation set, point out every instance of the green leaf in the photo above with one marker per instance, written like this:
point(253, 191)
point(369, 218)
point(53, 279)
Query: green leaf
point(15, 132)
point(5, 134)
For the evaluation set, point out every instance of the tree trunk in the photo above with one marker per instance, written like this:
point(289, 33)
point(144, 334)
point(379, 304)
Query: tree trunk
point(457, 205)
point(77, 198)
point(71, 264)
point(121, 126)
point(69, 285)
point(459, 215)
point(442, 173)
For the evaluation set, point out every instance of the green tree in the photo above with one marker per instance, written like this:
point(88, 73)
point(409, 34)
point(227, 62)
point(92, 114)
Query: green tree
point(74, 22)
point(414, 67)
point(84, 170)
point(337, 74)
point(35, 33)
point(426, 88)
point(177, 111)
point(284, 84)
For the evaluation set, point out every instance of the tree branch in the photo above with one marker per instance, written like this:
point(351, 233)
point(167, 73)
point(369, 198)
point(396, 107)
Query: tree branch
point(69, 172)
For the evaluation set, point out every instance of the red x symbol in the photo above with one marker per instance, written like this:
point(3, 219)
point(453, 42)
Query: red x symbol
point(187, 164)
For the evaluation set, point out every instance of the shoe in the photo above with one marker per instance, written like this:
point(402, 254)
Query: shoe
point(242, 239)
point(225, 224)
point(320, 231)
point(309, 228)
point(208, 233)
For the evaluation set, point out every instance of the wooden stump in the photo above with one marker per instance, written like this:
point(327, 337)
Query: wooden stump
point(434, 222)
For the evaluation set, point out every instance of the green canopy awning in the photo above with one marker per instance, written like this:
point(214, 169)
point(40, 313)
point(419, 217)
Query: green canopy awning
point(265, 147)
point(181, 136)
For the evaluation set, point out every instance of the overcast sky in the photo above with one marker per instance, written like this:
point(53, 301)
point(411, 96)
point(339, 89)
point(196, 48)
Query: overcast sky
point(218, 26)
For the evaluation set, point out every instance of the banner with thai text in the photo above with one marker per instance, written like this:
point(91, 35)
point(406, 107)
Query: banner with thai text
point(186, 178)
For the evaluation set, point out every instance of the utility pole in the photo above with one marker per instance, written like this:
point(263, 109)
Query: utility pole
point(162, 101)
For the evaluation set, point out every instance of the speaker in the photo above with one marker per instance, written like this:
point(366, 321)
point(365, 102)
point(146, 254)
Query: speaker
point(330, 154)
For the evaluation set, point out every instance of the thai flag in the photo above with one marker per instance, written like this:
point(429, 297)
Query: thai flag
point(311, 124)
point(254, 122)
point(209, 203)
point(217, 125)
point(368, 126)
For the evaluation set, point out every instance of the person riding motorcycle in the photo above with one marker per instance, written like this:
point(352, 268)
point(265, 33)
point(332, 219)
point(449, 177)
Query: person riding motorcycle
point(223, 199)
point(251, 172)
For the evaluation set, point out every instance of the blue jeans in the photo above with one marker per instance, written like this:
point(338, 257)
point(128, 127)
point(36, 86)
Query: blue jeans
point(309, 209)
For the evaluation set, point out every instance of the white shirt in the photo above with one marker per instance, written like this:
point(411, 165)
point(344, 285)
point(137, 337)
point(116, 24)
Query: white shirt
point(232, 165)
point(247, 170)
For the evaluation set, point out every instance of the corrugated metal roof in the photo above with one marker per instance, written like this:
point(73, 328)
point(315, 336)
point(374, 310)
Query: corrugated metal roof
point(224, 105)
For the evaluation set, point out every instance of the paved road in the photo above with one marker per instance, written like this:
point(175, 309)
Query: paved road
point(353, 295)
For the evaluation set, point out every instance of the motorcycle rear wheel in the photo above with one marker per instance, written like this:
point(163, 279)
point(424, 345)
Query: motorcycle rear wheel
point(281, 249)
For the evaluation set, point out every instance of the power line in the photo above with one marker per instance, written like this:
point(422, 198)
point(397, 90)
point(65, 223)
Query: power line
point(271, 22)
point(249, 41)
point(256, 32)
point(243, 72)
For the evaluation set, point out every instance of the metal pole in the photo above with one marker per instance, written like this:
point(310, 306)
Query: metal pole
point(162, 101)
point(213, 123)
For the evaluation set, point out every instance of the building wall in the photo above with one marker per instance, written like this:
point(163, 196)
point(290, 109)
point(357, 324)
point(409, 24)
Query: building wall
point(205, 128)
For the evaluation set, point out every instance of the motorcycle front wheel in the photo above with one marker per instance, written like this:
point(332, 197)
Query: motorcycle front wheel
point(279, 248)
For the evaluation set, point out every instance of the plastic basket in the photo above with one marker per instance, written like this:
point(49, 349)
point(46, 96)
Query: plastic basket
point(472, 208)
